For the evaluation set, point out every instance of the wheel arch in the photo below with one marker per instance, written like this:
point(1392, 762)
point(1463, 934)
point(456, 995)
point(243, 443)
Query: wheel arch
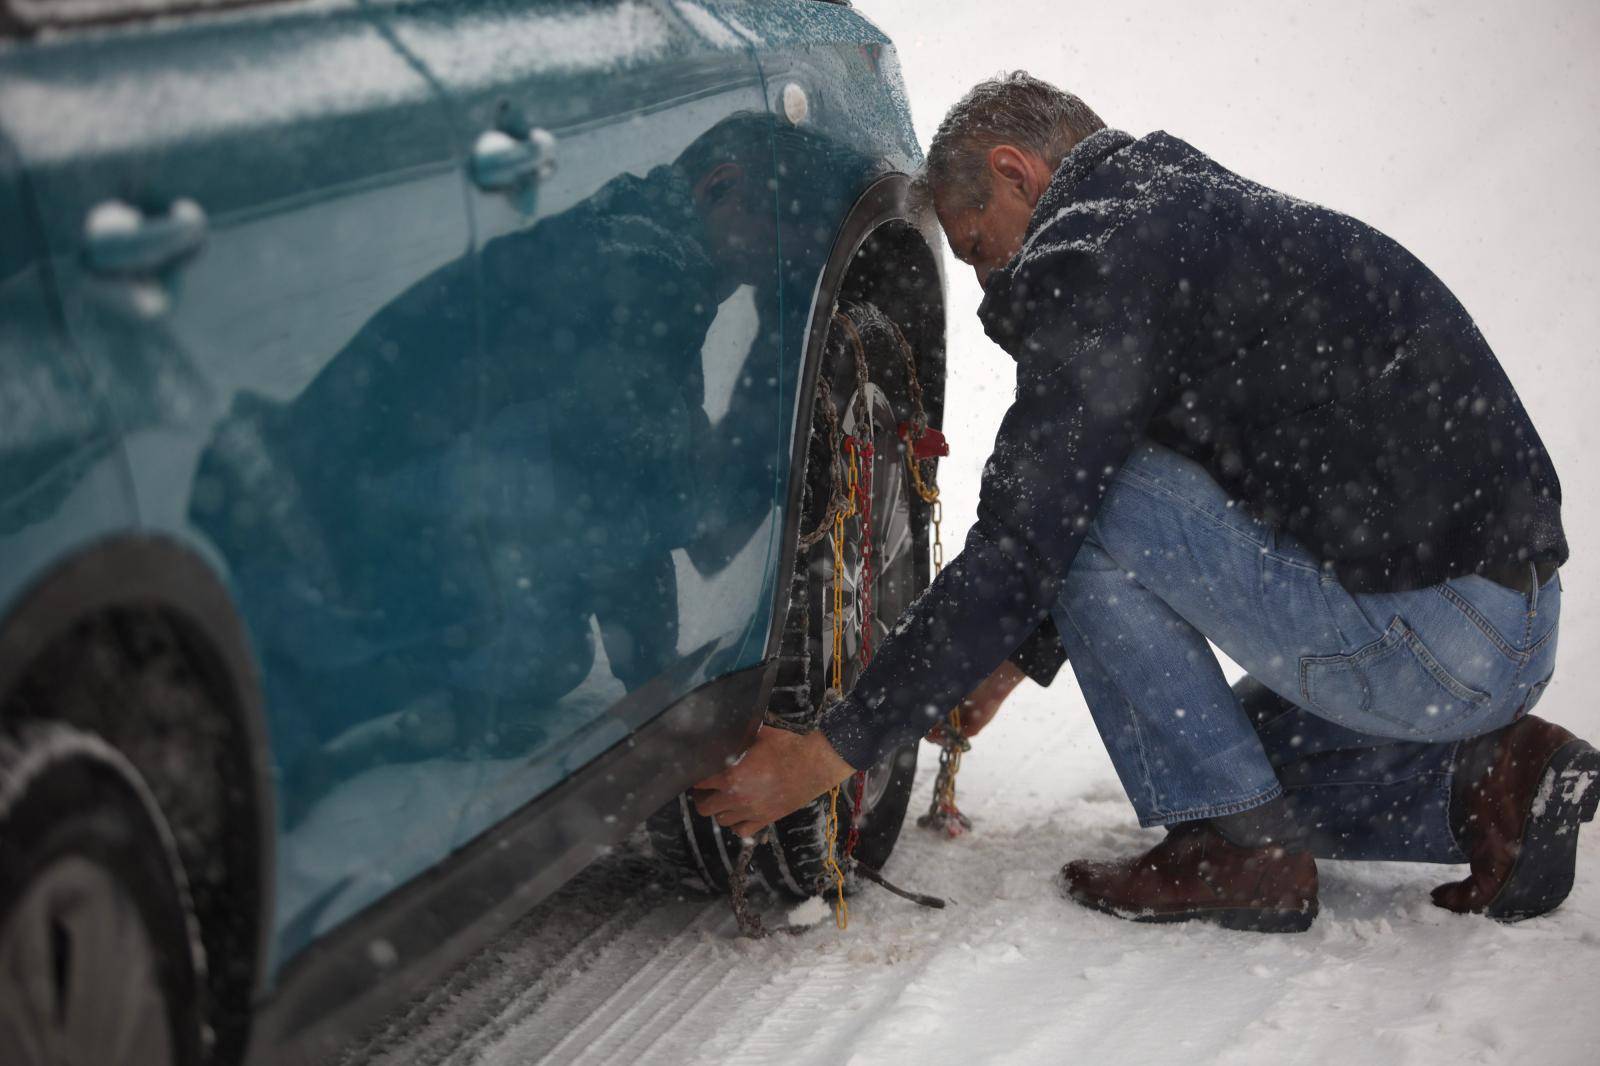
point(156, 580)
point(886, 253)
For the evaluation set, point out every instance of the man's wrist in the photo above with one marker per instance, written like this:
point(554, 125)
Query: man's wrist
point(1005, 679)
point(829, 761)
point(841, 726)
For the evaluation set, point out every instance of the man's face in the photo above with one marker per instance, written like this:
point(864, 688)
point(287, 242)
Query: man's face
point(989, 235)
point(739, 225)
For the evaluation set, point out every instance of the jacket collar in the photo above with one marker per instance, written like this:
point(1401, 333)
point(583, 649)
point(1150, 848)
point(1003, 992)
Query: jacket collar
point(1076, 166)
point(996, 311)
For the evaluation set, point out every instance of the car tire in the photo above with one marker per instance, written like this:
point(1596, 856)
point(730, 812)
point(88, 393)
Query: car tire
point(796, 868)
point(100, 957)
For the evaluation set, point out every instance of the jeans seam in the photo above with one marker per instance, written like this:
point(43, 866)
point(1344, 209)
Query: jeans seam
point(1188, 508)
point(1288, 709)
point(1357, 641)
point(1445, 679)
point(1542, 641)
point(1220, 810)
point(1476, 618)
point(1449, 787)
point(1133, 719)
point(1293, 564)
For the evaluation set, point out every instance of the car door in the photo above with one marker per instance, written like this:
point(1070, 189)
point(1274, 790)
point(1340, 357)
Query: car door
point(620, 153)
point(258, 227)
point(62, 480)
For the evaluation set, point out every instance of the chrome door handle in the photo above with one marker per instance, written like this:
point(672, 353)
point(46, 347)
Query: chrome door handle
point(121, 240)
point(501, 161)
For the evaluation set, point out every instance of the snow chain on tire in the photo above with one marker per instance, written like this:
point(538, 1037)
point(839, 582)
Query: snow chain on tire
point(793, 867)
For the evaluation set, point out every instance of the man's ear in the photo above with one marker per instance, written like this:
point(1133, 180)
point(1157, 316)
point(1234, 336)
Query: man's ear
point(717, 184)
point(1016, 171)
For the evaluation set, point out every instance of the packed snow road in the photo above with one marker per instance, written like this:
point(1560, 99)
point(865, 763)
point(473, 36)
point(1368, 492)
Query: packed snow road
point(628, 966)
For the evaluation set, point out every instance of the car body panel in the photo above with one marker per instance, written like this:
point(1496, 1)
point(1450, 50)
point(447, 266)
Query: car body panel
point(615, 344)
point(240, 381)
point(833, 80)
point(330, 402)
point(63, 482)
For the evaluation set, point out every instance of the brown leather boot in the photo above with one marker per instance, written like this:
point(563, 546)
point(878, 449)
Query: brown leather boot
point(1195, 874)
point(1520, 795)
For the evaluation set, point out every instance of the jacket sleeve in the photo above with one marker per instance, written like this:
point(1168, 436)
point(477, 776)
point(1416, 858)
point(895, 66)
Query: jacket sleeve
point(1040, 654)
point(1090, 375)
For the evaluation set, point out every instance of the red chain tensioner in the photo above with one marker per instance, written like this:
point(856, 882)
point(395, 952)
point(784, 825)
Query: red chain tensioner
point(929, 444)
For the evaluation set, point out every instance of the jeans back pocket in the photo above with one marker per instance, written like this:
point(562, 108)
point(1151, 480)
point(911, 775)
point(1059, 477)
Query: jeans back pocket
point(1393, 687)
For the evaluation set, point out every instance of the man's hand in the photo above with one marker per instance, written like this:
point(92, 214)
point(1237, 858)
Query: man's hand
point(781, 772)
point(984, 702)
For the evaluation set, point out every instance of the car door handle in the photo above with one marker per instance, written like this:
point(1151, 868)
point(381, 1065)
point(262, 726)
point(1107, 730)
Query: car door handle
point(121, 240)
point(501, 161)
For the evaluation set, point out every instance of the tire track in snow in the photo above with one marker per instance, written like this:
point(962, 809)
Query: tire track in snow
point(623, 995)
point(471, 1010)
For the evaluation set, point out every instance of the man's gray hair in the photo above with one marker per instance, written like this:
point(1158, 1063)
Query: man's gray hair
point(1016, 109)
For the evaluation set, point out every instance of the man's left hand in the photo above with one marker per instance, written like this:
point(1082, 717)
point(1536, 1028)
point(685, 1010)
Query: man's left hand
point(781, 772)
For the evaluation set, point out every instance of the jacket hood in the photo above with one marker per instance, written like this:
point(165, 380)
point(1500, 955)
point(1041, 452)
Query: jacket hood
point(998, 311)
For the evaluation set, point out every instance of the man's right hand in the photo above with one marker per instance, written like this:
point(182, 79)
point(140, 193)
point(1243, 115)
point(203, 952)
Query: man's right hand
point(983, 702)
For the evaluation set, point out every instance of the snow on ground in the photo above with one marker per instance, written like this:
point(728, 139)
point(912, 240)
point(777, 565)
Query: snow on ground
point(1469, 131)
point(624, 969)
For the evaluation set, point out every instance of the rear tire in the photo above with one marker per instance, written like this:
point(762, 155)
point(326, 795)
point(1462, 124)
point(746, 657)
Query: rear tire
point(795, 869)
point(99, 948)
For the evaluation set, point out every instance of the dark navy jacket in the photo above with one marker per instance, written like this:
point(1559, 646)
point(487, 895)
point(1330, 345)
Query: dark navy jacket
point(1324, 376)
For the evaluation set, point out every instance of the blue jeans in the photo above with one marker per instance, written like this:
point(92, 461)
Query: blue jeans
point(1355, 705)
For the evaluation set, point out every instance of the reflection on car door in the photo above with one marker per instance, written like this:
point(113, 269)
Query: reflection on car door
point(243, 211)
point(620, 154)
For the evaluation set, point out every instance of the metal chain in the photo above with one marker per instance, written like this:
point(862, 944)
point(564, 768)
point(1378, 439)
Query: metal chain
point(750, 924)
point(851, 498)
point(927, 490)
point(830, 861)
point(943, 814)
point(860, 504)
point(839, 500)
point(749, 921)
point(864, 452)
point(919, 418)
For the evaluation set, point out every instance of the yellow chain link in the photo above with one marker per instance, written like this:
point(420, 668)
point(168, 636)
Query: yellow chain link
point(841, 909)
point(928, 495)
point(947, 782)
point(830, 861)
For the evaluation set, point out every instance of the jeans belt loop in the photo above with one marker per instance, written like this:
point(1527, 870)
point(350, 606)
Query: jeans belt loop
point(1533, 589)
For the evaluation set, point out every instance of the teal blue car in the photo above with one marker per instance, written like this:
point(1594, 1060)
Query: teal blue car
point(433, 434)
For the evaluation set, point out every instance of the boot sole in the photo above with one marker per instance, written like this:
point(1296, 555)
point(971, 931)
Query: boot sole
point(1241, 919)
point(1567, 796)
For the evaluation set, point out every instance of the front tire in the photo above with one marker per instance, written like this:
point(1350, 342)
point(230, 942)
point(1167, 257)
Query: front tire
point(99, 949)
point(795, 869)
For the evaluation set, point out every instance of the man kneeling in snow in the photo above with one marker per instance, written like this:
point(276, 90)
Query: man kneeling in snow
point(1244, 418)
